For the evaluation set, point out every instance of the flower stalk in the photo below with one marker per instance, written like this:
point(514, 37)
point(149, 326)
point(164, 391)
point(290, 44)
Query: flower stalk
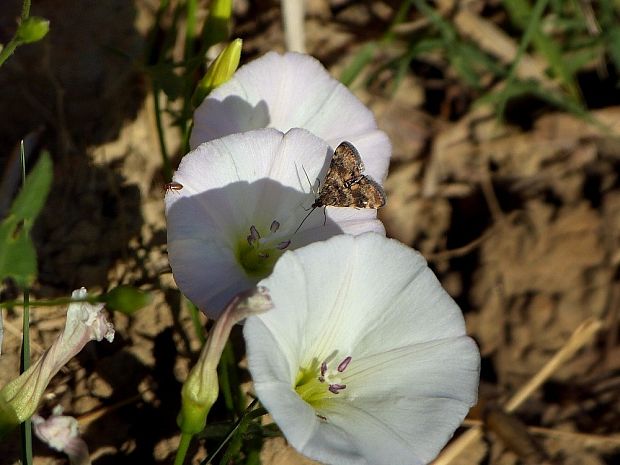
point(201, 389)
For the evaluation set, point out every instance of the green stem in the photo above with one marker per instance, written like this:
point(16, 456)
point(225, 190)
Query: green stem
point(25, 10)
point(49, 303)
point(26, 441)
point(198, 328)
point(9, 48)
point(166, 167)
point(190, 28)
point(249, 411)
point(25, 361)
point(26, 426)
point(182, 449)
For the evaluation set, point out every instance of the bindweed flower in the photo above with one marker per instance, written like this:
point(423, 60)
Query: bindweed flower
point(242, 200)
point(20, 397)
point(364, 357)
point(61, 433)
point(292, 91)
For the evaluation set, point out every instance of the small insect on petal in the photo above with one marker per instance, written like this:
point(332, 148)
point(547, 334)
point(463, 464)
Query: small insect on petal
point(173, 186)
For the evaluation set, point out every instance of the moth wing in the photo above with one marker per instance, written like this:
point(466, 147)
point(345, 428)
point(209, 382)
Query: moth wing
point(347, 162)
point(367, 193)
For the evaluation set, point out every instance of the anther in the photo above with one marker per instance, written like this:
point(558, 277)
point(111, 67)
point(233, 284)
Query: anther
point(274, 226)
point(344, 364)
point(283, 245)
point(323, 369)
point(336, 388)
point(254, 236)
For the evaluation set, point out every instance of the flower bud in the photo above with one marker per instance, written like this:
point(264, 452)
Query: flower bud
point(220, 71)
point(20, 397)
point(33, 29)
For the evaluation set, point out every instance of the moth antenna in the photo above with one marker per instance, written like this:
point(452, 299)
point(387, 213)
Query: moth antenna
point(309, 183)
point(304, 220)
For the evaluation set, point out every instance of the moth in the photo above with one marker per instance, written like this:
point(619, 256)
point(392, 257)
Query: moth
point(345, 185)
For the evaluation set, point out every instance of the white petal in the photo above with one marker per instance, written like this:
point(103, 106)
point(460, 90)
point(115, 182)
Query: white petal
point(414, 434)
point(426, 381)
point(283, 92)
point(207, 272)
point(289, 91)
point(413, 373)
point(255, 171)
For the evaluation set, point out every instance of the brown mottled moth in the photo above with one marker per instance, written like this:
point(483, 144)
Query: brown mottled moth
point(345, 185)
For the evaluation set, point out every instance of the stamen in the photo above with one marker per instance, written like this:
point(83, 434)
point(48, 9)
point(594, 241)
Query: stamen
point(323, 371)
point(263, 254)
point(254, 236)
point(344, 364)
point(336, 388)
point(283, 245)
point(274, 226)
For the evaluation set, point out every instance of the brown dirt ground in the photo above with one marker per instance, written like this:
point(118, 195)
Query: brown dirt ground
point(520, 220)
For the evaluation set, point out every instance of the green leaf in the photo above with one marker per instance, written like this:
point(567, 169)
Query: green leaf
point(360, 60)
point(18, 258)
point(31, 198)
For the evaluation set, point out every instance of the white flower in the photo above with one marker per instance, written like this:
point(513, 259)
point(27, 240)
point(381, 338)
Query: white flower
point(242, 198)
point(292, 91)
point(364, 357)
point(61, 432)
point(20, 397)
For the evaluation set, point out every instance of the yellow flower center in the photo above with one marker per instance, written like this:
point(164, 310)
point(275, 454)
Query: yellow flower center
point(258, 255)
point(319, 382)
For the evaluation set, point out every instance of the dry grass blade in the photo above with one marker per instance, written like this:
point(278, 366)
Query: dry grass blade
point(580, 337)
